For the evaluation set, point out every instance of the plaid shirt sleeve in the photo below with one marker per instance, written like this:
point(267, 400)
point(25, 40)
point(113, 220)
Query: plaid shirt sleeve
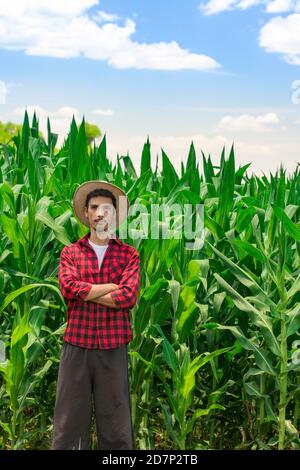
point(69, 278)
point(126, 295)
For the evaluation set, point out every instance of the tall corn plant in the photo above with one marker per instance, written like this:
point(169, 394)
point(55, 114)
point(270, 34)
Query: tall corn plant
point(262, 260)
point(212, 357)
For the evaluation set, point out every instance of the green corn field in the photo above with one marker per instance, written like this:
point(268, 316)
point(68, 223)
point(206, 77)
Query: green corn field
point(214, 361)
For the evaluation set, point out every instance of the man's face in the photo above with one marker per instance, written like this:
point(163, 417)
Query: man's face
point(100, 213)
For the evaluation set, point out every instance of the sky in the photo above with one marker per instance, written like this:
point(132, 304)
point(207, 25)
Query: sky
point(215, 72)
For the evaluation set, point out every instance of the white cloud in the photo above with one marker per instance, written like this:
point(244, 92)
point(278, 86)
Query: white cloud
point(245, 4)
point(101, 17)
point(282, 35)
point(248, 122)
point(212, 7)
point(67, 8)
point(160, 56)
point(103, 112)
point(216, 6)
point(64, 29)
point(279, 6)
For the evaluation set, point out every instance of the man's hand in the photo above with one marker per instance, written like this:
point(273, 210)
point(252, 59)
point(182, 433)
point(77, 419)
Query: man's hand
point(100, 290)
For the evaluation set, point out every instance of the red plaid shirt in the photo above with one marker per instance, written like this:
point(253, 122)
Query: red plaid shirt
point(92, 325)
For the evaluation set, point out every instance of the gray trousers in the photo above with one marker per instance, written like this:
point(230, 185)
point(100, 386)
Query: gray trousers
point(88, 376)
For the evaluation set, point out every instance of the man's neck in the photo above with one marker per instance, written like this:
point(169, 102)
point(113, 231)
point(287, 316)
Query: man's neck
point(98, 241)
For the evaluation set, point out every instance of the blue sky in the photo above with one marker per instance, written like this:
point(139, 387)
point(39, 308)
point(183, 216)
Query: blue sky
point(213, 72)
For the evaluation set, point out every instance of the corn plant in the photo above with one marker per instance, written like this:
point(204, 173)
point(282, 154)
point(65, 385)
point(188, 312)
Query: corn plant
point(214, 357)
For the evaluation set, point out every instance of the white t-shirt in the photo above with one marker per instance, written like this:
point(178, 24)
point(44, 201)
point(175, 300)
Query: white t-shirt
point(100, 251)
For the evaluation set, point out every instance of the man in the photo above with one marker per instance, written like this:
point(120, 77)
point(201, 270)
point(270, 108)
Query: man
point(99, 276)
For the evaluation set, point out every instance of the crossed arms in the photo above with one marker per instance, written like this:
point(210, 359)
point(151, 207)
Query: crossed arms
point(101, 294)
point(122, 295)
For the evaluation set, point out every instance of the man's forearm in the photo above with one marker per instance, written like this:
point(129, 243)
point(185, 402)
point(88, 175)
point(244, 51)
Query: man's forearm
point(105, 300)
point(99, 290)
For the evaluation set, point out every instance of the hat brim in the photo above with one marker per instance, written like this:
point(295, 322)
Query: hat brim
point(84, 189)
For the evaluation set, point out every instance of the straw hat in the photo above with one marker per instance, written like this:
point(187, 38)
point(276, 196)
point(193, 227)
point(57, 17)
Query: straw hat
point(84, 189)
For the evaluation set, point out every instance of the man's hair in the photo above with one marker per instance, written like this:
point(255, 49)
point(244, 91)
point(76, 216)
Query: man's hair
point(100, 192)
